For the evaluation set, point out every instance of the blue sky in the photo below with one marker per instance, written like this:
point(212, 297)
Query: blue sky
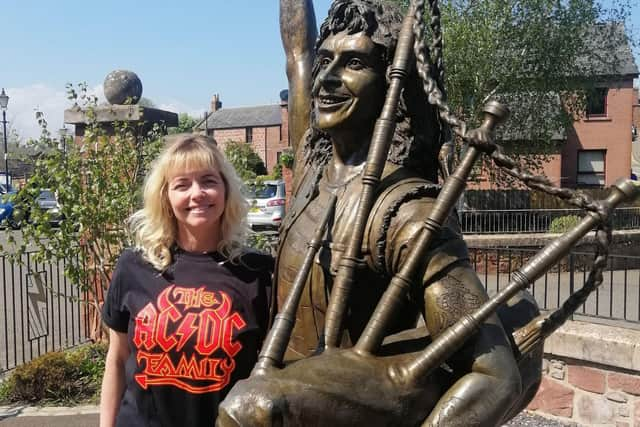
point(183, 51)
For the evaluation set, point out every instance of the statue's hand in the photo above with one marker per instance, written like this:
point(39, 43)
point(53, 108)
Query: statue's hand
point(480, 136)
point(494, 113)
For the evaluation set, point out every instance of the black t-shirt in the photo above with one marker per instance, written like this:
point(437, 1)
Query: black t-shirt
point(193, 331)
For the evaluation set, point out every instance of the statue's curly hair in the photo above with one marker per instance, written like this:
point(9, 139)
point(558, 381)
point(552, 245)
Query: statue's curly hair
point(418, 135)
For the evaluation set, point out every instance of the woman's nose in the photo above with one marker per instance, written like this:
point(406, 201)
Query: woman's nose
point(197, 190)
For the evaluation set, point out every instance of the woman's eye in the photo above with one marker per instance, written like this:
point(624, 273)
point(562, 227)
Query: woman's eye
point(324, 62)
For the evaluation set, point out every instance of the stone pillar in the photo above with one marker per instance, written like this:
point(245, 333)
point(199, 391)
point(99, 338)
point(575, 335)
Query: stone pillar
point(123, 90)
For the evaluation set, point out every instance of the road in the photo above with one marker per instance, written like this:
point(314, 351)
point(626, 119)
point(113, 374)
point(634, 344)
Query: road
point(617, 298)
point(90, 420)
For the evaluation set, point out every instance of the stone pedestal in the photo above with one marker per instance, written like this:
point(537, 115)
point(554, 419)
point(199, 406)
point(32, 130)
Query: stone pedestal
point(141, 118)
point(123, 90)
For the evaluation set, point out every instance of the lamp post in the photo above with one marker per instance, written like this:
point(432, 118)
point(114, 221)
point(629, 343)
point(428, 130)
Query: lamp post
point(4, 101)
point(63, 132)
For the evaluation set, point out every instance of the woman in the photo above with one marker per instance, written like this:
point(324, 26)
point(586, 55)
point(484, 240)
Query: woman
point(187, 308)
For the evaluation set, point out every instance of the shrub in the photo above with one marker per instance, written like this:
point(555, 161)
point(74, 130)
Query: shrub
point(57, 377)
point(263, 242)
point(287, 158)
point(563, 224)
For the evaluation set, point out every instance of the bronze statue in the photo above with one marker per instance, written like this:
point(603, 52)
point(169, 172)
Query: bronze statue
point(370, 248)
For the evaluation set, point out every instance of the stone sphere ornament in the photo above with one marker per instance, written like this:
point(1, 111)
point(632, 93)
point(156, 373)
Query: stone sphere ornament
point(122, 85)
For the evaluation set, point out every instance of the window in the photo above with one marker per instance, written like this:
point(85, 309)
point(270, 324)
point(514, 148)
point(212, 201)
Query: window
point(591, 168)
point(249, 135)
point(597, 102)
point(278, 155)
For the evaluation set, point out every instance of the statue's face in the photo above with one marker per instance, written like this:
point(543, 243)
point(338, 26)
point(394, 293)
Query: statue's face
point(350, 86)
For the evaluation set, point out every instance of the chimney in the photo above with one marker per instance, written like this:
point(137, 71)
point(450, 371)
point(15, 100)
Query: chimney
point(215, 103)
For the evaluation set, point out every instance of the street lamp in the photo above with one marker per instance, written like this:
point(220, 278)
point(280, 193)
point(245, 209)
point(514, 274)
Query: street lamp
point(63, 132)
point(4, 101)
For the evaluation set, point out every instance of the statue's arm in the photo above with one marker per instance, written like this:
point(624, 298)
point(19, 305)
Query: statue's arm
point(491, 381)
point(298, 32)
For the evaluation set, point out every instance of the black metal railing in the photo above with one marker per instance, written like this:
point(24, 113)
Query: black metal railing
point(40, 310)
point(617, 299)
point(534, 220)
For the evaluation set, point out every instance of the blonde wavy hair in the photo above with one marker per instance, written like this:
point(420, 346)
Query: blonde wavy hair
point(154, 228)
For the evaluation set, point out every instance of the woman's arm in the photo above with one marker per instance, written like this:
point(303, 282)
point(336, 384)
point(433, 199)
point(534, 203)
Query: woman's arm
point(298, 32)
point(113, 381)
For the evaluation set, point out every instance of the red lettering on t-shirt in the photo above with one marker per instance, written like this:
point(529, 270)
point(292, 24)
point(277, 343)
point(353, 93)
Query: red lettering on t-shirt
point(144, 332)
point(182, 315)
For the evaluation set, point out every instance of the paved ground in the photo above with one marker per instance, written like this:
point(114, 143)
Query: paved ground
point(52, 421)
point(80, 416)
point(87, 416)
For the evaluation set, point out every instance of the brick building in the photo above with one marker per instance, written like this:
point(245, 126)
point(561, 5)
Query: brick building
point(596, 149)
point(265, 127)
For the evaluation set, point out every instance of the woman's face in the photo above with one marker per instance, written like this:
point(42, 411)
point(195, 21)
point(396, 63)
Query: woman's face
point(197, 199)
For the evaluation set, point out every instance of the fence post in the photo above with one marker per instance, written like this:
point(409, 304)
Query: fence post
point(571, 274)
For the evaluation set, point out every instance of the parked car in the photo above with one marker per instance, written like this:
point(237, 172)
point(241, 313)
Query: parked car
point(7, 211)
point(266, 204)
point(46, 202)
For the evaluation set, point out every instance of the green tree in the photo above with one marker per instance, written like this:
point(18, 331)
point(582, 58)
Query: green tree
point(146, 102)
point(247, 163)
point(97, 182)
point(186, 124)
point(540, 57)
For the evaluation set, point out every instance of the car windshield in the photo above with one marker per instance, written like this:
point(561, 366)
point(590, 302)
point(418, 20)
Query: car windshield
point(265, 191)
point(46, 195)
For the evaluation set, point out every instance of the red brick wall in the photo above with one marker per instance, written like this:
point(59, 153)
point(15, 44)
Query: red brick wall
point(636, 109)
point(265, 142)
point(222, 136)
point(551, 169)
point(611, 133)
point(588, 395)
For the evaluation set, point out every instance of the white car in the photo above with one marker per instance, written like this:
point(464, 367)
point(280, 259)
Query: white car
point(266, 204)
